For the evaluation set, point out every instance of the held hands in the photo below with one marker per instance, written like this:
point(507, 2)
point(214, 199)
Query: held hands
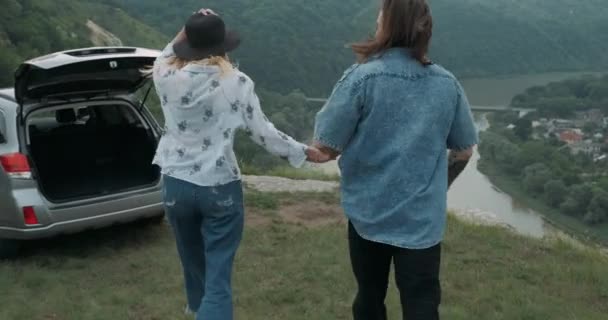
point(317, 156)
point(318, 153)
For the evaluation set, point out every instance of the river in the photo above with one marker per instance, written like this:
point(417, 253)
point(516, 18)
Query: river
point(473, 191)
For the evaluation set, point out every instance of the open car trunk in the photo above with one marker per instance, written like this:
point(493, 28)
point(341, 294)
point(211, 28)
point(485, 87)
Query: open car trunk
point(91, 151)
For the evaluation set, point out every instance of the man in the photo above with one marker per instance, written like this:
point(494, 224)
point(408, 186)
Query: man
point(392, 116)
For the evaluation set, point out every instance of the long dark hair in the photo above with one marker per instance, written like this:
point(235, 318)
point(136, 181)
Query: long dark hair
point(404, 23)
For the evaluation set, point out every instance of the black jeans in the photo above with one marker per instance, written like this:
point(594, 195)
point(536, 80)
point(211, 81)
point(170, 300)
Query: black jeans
point(416, 274)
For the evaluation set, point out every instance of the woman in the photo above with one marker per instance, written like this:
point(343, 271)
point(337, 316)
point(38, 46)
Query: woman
point(392, 116)
point(205, 101)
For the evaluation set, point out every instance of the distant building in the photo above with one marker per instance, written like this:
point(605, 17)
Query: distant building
point(595, 116)
point(580, 114)
point(580, 123)
point(585, 147)
point(570, 136)
point(560, 124)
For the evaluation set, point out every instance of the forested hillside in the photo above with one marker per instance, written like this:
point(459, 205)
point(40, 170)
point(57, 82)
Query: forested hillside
point(293, 44)
point(287, 44)
point(564, 98)
point(30, 28)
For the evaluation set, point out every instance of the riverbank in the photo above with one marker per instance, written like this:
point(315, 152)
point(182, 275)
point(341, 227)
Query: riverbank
point(293, 264)
point(570, 225)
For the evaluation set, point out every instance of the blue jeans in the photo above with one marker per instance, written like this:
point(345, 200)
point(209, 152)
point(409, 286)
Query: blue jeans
point(208, 227)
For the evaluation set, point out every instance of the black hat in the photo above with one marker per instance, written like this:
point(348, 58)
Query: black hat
point(206, 36)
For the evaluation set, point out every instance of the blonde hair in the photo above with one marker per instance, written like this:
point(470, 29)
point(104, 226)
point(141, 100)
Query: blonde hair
point(220, 61)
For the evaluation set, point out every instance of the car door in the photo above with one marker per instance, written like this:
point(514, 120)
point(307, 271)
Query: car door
point(81, 74)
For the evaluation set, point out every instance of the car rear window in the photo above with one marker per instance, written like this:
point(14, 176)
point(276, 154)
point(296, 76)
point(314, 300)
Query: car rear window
point(109, 115)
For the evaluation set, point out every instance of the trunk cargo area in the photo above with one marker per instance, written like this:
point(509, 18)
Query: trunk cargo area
point(91, 152)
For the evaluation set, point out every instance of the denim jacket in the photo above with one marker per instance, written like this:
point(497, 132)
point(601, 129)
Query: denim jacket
point(393, 120)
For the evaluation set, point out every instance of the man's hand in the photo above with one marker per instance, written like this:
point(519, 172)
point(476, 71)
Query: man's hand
point(331, 152)
point(315, 155)
point(457, 162)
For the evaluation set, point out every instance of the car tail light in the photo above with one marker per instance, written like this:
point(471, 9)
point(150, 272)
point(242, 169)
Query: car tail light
point(29, 216)
point(16, 165)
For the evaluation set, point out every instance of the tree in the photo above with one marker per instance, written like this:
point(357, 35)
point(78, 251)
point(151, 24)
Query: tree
point(534, 152)
point(583, 193)
point(571, 207)
point(571, 178)
point(590, 128)
point(598, 209)
point(555, 192)
point(500, 151)
point(536, 176)
point(578, 202)
point(603, 183)
point(523, 129)
point(507, 117)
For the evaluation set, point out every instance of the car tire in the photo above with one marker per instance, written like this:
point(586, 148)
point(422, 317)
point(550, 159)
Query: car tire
point(9, 249)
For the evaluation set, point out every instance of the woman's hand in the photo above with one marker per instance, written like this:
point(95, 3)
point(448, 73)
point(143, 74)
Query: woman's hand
point(317, 156)
point(181, 35)
point(333, 154)
point(206, 12)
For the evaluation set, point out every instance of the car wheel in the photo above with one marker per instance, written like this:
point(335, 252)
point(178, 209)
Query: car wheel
point(9, 248)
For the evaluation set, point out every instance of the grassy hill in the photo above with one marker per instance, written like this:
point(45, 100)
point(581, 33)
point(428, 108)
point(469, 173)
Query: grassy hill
point(293, 264)
point(30, 28)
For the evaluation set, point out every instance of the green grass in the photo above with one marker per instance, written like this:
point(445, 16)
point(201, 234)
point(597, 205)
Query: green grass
point(271, 201)
point(285, 271)
point(260, 200)
point(572, 225)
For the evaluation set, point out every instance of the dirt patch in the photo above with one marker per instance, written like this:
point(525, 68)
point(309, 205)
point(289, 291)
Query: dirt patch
point(312, 214)
point(254, 218)
point(278, 184)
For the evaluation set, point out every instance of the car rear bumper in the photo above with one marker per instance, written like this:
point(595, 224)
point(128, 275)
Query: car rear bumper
point(82, 224)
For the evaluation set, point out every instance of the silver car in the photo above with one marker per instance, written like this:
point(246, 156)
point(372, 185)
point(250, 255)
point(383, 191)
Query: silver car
point(76, 145)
